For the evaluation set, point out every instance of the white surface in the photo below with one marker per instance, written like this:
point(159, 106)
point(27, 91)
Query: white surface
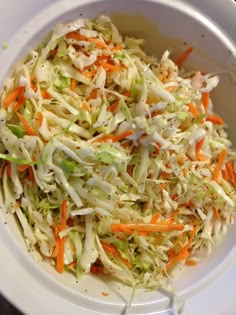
point(23, 283)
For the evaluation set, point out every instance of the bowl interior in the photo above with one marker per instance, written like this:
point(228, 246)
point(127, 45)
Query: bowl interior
point(164, 25)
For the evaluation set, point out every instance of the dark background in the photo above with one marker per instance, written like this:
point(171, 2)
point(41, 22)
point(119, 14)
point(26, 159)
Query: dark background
point(7, 308)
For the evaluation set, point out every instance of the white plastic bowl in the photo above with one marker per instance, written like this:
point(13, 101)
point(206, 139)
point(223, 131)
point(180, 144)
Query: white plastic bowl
point(164, 24)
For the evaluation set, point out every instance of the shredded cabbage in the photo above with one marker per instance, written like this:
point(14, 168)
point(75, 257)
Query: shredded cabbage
point(144, 165)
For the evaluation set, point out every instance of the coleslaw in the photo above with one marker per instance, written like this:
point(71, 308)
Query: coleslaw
point(113, 161)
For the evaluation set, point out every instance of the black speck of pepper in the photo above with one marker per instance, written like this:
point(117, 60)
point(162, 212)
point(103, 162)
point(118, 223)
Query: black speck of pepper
point(81, 14)
point(203, 35)
point(5, 222)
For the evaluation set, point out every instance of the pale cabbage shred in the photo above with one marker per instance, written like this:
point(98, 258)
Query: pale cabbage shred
point(127, 181)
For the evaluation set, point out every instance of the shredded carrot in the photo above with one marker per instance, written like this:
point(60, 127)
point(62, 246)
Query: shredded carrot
point(46, 95)
point(19, 103)
point(8, 169)
point(114, 106)
point(108, 66)
point(219, 165)
point(142, 227)
point(31, 175)
point(215, 120)
point(86, 107)
point(123, 135)
point(216, 213)
point(93, 94)
point(40, 118)
point(184, 56)
point(90, 73)
point(12, 96)
point(61, 241)
point(22, 168)
point(230, 170)
point(205, 100)
point(190, 262)
point(26, 125)
point(105, 294)
point(116, 138)
point(183, 254)
point(198, 147)
point(77, 36)
point(155, 218)
point(180, 160)
point(56, 236)
point(117, 47)
point(72, 84)
point(111, 249)
point(193, 110)
point(72, 265)
point(225, 174)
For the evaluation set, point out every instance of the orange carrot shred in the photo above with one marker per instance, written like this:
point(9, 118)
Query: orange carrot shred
point(145, 227)
point(46, 95)
point(219, 165)
point(108, 66)
point(113, 106)
point(190, 262)
point(22, 168)
point(155, 218)
point(225, 174)
point(19, 103)
point(205, 100)
point(105, 294)
point(72, 84)
point(216, 213)
point(215, 120)
point(61, 241)
point(230, 170)
point(12, 96)
point(184, 56)
point(31, 175)
point(193, 110)
point(26, 125)
point(40, 118)
point(8, 169)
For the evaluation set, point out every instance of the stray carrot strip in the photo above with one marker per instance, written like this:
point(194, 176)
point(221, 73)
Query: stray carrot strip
point(201, 157)
point(109, 248)
point(230, 170)
point(46, 95)
point(26, 125)
point(163, 186)
point(198, 147)
point(170, 88)
point(33, 87)
point(193, 110)
point(93, 94)
point(19, 103)
point(78, 36)
point(105, 294)
point(40, 118)
point(85, 107)
point(123, 135)
point(181, 160)
point(117, 47)
point(225, 174)
point(219, 165)
point(108, 66)
point(72, 265)
point(216, 213)
point(90, 73)
point(114, 106)
point(8, 169)
point(143, 227)
point(184, 251)
point(205, 100)
point(12, 96)
point(116, 138)
point(72, 84)
point(61, 241)
point(190, 262)
point(63, 216)
point(31, 175)
point(22, 168)
point(184, 56)
point(56, 236)
point(215, 120)
point(155, 218)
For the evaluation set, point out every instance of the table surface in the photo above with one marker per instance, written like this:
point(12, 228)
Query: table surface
point(20, 16)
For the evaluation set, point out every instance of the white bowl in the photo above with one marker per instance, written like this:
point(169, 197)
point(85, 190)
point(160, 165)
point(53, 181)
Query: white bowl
point(164, 24)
